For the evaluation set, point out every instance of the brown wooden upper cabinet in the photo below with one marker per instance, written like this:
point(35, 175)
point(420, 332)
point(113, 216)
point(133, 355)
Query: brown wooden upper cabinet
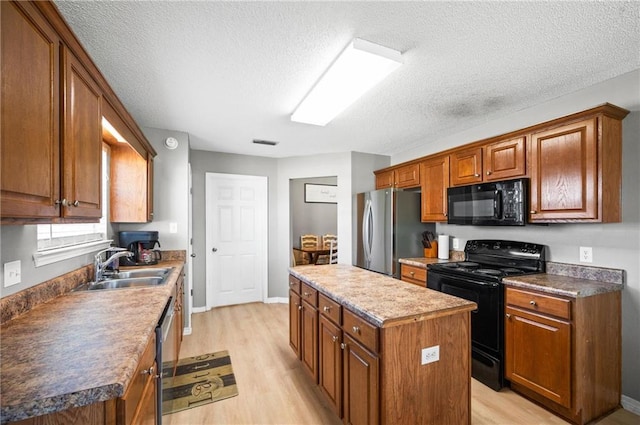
point(51, 110)
point(399, 178)
point(50, 173)
point(434, 182)
point(499, 160)
point(576, 169)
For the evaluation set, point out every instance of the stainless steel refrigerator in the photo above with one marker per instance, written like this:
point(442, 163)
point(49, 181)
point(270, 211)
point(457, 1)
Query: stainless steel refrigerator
point(388, 228)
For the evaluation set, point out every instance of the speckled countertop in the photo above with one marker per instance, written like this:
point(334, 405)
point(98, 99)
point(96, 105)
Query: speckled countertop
point(78, 348)
point(379, 299)
point(422, 262)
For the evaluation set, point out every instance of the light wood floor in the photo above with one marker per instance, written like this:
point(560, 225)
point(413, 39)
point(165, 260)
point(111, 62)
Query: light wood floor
point(273, 389)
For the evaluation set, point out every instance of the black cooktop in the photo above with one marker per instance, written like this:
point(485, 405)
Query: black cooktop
point(492, 260)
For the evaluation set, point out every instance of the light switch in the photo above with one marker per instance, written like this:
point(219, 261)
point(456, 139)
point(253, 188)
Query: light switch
point(12, 273)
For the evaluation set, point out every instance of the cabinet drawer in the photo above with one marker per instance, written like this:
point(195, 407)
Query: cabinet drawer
point(359, 329)
point(309, 294)
point(294, 284)
point(329, 308)
point(545, 304)
point(413, 274)
point(128, 404)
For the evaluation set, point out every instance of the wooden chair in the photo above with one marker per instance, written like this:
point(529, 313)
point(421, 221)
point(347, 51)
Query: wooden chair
point(308, 241)
point(329, 242)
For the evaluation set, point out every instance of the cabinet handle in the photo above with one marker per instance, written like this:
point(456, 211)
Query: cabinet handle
point(488, 173)
point(327, 308)
point(356, 329)
point(532, 302)
point(334, 338)
point(533, 212)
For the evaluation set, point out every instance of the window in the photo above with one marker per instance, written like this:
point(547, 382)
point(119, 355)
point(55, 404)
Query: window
point(57, 242)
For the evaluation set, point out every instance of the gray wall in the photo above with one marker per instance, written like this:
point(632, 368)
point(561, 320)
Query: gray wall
point(615, 245)
point(309, 217)
point(203, 162)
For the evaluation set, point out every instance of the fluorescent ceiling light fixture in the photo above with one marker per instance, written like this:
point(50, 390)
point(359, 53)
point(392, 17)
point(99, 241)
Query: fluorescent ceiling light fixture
point(106, 124)
point(360, 66)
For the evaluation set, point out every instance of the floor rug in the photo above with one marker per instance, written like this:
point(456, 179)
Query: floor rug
point(198, 380)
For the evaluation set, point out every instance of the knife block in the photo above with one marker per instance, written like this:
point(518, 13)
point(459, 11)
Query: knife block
point(433, 251)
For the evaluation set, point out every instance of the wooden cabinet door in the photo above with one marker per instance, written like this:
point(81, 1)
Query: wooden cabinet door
point(564, 173)
point(466, 166)
point(295, 313)
point(407, 176)
point(30, 132)
point(82, 141)
point(384, 180)
point(504, 160)
point(434, 181)
point(330, 363)
point(309, 340)
point(361, 406)
point(538, 354)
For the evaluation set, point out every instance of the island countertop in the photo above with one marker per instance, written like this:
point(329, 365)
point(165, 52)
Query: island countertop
point(79, 348)
point(381, 300)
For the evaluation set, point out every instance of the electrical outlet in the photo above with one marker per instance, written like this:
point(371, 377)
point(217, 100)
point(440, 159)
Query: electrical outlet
point(430, 354)
point(586, 254)
point(12, 273)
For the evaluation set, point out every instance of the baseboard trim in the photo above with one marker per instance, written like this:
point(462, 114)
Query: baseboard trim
point(630, 404)
point(277, 300)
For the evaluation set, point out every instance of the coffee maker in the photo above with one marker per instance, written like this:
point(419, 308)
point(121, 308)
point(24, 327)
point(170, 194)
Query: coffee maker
point(143, 245)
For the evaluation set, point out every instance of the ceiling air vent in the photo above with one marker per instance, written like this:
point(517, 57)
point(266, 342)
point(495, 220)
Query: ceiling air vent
point(264, 142)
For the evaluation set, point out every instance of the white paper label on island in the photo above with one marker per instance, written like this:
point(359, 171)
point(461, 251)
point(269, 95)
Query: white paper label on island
point(443, 247)
point(430, 354)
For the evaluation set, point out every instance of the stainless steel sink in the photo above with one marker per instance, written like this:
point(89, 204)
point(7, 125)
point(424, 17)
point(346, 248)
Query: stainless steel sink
point(139, 278)
point(150, 272)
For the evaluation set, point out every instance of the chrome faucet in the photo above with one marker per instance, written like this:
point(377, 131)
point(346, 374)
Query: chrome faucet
point(100, 265)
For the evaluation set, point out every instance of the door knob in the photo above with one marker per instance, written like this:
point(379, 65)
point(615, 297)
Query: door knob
point(214, 249)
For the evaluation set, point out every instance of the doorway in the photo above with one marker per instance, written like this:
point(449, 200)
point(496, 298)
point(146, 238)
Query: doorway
point(308, 215)
point(236, 239)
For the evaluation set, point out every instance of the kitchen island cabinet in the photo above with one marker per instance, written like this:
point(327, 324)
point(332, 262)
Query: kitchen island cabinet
point(384, 326)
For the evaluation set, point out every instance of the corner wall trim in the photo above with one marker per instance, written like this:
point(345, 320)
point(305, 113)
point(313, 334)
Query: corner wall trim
point(630, 404)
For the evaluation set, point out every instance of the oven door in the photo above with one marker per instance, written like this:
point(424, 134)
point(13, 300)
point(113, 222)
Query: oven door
point(486, 319)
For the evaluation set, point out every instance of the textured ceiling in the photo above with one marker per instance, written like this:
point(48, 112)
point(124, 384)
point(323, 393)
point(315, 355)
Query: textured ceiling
point(231, 72)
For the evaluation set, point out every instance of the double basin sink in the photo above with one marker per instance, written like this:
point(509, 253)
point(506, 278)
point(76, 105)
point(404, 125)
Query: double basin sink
point(138, 278)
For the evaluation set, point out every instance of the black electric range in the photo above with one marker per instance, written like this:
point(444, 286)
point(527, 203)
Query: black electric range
point(479, 279)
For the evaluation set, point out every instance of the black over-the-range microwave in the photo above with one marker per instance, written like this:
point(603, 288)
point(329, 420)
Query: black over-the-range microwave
point(501, 203)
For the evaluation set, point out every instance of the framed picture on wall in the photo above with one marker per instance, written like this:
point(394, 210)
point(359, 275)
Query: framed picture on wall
point(320, 193)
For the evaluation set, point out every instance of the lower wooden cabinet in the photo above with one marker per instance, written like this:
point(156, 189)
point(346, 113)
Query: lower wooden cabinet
point(413, 274)
point(361, 381)
point(563, 352)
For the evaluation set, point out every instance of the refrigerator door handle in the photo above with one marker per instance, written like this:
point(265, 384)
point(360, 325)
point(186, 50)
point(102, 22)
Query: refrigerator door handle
point(367, 228)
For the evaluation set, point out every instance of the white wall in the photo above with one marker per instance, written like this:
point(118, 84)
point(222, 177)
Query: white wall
point(615, 245)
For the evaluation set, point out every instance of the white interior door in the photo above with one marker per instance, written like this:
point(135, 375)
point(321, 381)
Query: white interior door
point(236, 240)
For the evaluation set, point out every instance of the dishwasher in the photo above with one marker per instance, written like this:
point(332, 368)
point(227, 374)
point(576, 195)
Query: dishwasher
point(165, 345)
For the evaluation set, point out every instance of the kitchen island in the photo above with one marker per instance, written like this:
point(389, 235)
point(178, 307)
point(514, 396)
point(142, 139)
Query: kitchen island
point(381, 350)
